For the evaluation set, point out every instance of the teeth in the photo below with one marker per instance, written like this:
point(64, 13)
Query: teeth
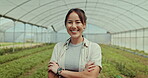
point(74, 31)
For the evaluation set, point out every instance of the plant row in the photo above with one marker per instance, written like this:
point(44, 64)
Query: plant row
point(39, 72)
point(136, 51)
point(17, 67)
point(16, 49)
point(115, 65)
point(11, 43)
point(127, 66)
point(109, 71)
point(6, 44)
point(23, 53)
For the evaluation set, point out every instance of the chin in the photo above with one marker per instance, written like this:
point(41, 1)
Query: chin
point(75, 36)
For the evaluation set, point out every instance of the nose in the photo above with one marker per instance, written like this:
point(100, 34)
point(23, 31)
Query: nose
point(74, 25)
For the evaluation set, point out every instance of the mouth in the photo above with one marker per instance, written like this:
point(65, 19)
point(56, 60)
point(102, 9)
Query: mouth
point(74, 31)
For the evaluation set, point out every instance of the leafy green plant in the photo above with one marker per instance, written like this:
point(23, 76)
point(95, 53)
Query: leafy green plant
point(19, 54)
point(10, 50)
point(125, 62)
point(18, 67)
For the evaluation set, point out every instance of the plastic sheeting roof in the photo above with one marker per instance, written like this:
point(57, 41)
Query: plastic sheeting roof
point(112, 15)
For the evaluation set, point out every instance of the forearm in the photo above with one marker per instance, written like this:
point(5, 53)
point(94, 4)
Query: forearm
point(83, 74)
point(52, 75)
point(70, 74)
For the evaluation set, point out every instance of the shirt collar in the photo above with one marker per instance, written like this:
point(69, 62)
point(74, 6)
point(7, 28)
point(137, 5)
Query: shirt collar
point(85, 42)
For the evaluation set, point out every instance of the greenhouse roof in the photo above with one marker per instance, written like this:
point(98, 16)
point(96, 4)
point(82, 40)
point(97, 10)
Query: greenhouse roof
point(112, 15)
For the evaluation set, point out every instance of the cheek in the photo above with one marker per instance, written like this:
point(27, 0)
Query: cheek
point(67, 27)
point(80, 28)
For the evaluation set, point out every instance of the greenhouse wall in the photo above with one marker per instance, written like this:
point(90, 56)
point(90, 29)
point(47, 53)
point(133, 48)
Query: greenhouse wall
point(98, 38)
point(25, 37)
point(101, 38)
point(51, 37)
point(1, 36)
point(136, 39)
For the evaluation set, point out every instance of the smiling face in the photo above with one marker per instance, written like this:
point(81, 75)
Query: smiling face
point(74, 25)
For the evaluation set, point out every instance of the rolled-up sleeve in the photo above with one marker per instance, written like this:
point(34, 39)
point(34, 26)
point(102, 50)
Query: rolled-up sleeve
point(96, 55)
point(54, 56)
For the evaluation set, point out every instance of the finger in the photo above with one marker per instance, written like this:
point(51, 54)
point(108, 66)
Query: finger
point(50, 62)
point(54, 62)
point(89, 70)
point(92, 66)
point(49, 69)
point(50, 65)
point(90, 63)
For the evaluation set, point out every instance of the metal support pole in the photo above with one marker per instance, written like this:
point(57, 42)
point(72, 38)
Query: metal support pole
point(4, 36)
point(31, 35)
point(136, 40)
point(113, 39)
point(122, 39)
point(110, 39)
point(46, 36)
point(0, 30)
point(125, 40)
point(130, 40)
point(41, 34)
point(49, 39)
point(56, 37)
point(36, 36)
point(13, 36)
point(118, 39)
point(143, 39)
point(24, 35)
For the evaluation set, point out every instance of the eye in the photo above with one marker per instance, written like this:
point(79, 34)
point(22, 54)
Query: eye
point(78, 22)
point(69, 22)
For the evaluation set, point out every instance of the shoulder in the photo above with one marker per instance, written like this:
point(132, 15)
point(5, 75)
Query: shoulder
point(95, 45)
point(59, 44)
point(91, 44)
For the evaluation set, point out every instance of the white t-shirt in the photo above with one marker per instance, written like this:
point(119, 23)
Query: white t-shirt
point(72, 57)
point(90, 52)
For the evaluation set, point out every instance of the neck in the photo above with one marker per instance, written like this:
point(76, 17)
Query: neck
point(76, 40)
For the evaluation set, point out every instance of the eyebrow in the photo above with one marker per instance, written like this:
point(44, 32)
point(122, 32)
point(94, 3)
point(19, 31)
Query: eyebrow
point(78, 20)
point(75, 20)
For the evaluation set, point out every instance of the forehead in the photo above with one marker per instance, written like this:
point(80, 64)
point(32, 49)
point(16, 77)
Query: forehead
point(73, 16)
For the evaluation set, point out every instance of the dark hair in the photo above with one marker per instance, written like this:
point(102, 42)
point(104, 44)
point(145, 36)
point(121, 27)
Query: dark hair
point(80, 13)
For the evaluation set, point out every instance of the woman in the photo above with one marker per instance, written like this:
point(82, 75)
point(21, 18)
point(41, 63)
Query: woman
point(77, 57)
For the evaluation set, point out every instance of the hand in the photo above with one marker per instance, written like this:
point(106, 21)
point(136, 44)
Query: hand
point(53, 66)
point(90, 66)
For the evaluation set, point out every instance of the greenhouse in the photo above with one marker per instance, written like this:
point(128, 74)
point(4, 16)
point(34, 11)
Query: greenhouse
point(29, 30)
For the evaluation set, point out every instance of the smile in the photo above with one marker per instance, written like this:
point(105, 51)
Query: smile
point(73, 31)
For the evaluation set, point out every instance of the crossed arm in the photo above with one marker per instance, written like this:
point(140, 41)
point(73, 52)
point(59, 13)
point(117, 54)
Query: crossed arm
point(90, 71)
